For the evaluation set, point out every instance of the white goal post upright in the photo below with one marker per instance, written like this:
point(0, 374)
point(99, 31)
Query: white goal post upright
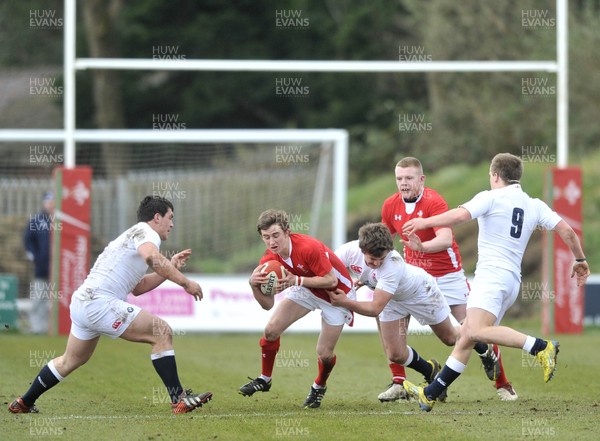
point(562, 83)
point(69, 103)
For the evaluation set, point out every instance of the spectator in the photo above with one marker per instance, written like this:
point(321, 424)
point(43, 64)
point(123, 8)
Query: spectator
point(36, 240)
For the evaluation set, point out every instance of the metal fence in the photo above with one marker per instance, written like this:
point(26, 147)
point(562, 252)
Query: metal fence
point(215, 211)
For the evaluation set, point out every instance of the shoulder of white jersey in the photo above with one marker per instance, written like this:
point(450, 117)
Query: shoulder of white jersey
point(353, 244)
point(142, 230)
point(349, 252)
point(393, 258)
point(395, 254)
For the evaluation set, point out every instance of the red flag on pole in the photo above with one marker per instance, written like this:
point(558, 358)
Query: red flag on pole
point(568, 302)
point(71, 241)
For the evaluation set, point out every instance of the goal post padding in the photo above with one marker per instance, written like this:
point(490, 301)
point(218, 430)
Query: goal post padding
point(70, 242)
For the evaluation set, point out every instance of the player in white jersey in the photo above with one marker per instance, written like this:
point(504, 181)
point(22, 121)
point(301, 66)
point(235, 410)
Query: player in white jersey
point(99, 307)
point(507, 217)
point(400, 290)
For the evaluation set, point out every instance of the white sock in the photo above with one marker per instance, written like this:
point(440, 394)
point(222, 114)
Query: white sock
point(455, 365)
point(157, 355)
point(529, 342)
point(410, 357)
point(54, 371)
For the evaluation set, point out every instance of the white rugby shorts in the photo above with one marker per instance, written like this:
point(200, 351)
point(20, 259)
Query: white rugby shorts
point(494, 290)
point(101, 316)
point(428, 306)
point(333, 315)
point(454, 287)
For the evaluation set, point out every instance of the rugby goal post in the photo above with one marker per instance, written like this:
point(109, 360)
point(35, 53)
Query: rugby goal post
point(71, 64)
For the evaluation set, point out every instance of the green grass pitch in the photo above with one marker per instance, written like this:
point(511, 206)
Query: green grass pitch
point(118, 395)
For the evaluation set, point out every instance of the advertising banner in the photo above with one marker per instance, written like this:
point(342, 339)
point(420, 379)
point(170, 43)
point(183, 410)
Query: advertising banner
point(229, 306)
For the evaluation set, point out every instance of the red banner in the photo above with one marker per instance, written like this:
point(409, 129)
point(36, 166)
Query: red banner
point(71, 240)
point(568, 302)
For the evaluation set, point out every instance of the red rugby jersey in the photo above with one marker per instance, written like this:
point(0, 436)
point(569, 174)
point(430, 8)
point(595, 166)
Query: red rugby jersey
point(394, 215)
point(310, 257)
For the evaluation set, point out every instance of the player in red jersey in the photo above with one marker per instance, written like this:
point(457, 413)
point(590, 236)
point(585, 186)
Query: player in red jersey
point(311, 270)
point(436, 251)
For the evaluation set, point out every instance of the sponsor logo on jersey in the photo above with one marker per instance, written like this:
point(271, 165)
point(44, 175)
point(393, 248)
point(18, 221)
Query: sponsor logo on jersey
point(356, 269)
point(398, 217)
point(117, 324)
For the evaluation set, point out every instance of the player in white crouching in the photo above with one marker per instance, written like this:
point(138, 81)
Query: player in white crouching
point(400, 290)
point(99, 307)
point(507, 217)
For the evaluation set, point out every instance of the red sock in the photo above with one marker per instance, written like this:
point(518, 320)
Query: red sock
point(269, 352)
point(501, 380)
point(398, 373)
point(324, 371)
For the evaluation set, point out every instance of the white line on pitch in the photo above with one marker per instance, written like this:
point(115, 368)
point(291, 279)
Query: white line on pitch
point(243, 415)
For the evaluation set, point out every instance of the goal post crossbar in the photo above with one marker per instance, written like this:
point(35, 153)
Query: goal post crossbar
point(314, 65)
point(178, 136)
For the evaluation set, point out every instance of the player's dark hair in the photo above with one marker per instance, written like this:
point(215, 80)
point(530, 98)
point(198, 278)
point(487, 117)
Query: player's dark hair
point(271, 217)
point(375, 239)
point(151, 205)
point(509, 167)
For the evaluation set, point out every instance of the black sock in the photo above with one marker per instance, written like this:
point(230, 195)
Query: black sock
point(480, 348)
point(420, 365)
point(43, 382)
point(538, 346)
point(442, 381)
point(166, 368)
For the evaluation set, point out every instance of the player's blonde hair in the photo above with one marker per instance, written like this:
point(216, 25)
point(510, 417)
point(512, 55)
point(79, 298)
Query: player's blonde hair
point(509, 167)
point(375, 239)
point(409, 161)
point(271, 217)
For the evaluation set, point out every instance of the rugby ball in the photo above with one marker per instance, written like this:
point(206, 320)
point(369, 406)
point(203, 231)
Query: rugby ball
point(274, 270)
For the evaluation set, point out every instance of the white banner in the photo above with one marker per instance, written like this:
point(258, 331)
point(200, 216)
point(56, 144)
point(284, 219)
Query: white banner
point(229, 306)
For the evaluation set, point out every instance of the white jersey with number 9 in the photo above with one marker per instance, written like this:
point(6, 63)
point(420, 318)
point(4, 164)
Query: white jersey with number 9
point(507, 217)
